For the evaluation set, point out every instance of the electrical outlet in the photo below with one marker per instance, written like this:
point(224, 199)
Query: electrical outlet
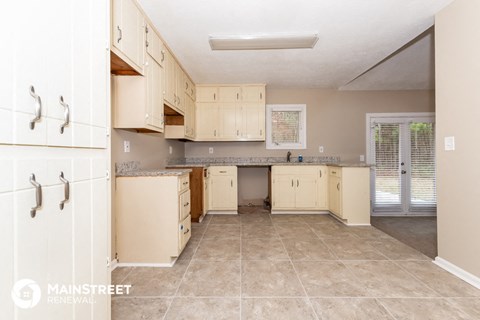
point(320, 149)
point(210, 150)
point(126, 146)
point(362, 158)
point(170, 149)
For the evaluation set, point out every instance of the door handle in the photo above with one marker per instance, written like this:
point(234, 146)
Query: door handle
point(66, 115)
point(38, 195)
point(66, 186)
point(38, 107)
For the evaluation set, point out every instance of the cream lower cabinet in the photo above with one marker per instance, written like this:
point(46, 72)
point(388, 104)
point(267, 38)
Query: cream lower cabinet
point(223, 188)
point(153, 219)
point(349, 194)
point(138, 100)
point(299, 188)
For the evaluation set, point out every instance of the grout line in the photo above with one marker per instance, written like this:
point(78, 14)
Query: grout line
point(386, 309)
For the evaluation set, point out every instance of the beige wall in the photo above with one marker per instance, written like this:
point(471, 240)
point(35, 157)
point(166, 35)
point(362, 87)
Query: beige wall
point(151, 149)
point(335, 120)
point(457, 32)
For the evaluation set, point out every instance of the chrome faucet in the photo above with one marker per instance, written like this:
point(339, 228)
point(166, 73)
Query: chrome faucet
point(288, 156)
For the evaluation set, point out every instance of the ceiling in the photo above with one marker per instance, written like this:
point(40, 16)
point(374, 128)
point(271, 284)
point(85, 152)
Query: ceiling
point(354, 37)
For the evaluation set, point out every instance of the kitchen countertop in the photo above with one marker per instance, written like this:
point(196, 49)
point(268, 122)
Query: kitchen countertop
point(153, 172)
point(267, 164)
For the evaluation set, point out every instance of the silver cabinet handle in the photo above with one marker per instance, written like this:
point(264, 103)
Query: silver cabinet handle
point(66, 115)
point(186, 204)
point(222, 171)
point(231, 183)
point(163, 55)
point(186, 85)
point(338, 186)
point(38, 107)
point(292, 182)
point(188, 230)
point(146, 43)
point(261, 96)
point(38, 195)
point(215, 133)
point(298, 183)
point(66, 185)
point(119, 34)
point(214, 96)
point(261, 132)
point(320, 173)
point(237, 132)
point(237, 96)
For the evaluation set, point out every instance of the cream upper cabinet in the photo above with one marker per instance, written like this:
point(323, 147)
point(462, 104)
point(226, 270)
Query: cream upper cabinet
point(298, 188)
point(138, 100)
point(207, 122)
point(189, 117)
point(241, 112)
point(128, 33)
point(180, 88)
point(223, 188)
point(170, 82)
point(349, 194)
point(154, 45)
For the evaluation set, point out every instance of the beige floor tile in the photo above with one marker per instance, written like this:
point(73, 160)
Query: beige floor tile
point(287, 218)
point(263, 249)
point(294, 231)
point(328, 279)
point(441, 281)
point(189, 249)
point(204, 309)
point(368, 232)
point(307, 250)
point(222, 249)
point(156, 281)
point(332, 230)
point(387, 279)
point(211, 279)
point(425, 308)
point(353, 250)
point(252, 231)
point(277, 309)
point(198, 232)
point(350, 308)
point(270, 278)
point(256, 218)
point(222, 231)
point(225, 219)
point(470, 306)
point(120, 273)
point(395, 250)
point(139, 308)
point(318, 218)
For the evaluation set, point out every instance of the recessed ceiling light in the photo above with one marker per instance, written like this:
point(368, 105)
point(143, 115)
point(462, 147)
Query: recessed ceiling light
point(263, 41)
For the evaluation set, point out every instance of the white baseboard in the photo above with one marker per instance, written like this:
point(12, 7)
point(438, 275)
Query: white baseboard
point(298, 212)
point(113, 264)
point(152, 265)
point(222, 212)
point(457, 271)
point(399, 214)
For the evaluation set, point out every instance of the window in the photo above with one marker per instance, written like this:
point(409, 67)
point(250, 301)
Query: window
point(286, 126)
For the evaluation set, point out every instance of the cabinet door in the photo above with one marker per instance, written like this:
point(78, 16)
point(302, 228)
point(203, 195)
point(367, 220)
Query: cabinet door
point(154, 75)
point(189, 117)
point(253, 94)
point(322, 188)
point(283, 192)
point(306, 191)
point(180, 88)
point(207, 94)
point(170, 84)
point(228, 94)
point(334, 196)
point(206, 121)
point(223, 192)
point(130, 32)
point(228, 121)
point(254, 121)
point(154, 45)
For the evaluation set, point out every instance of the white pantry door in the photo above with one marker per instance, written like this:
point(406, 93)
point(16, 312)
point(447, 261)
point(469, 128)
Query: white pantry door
point(55, 67)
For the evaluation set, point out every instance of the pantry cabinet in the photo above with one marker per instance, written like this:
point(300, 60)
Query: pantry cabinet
point(223, 188)
point(349, 194)
point(128, 33)
point(138, 100)
point(159, 206)
point(299, 188)
point(240, 113)
point(54, 154)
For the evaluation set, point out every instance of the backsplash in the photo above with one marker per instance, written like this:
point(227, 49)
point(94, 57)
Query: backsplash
point(126, 166)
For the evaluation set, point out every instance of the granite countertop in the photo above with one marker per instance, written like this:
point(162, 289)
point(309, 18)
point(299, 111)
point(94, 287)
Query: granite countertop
point(153, 173)
point(263, 162)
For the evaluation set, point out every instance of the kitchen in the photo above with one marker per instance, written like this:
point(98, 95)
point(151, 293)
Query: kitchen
point(245, 262)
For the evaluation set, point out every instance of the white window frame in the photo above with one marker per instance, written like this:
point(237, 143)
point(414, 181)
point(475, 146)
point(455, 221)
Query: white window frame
point(302, 126)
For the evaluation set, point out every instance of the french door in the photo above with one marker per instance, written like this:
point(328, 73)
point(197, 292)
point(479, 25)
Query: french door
point(402, 150)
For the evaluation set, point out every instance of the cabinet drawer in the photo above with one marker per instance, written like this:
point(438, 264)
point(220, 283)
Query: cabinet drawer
point(222, 170)
point(184, 205)
point(335, 171)
point(183, 183)
point(184, 233)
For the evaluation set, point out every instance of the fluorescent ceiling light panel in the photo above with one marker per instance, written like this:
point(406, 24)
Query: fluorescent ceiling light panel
point(263, 41)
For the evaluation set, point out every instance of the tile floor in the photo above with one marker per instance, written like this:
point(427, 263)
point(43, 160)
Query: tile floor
point(262, 266)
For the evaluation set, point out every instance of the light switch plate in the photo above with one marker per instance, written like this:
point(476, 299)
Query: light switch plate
point(362, 158)
point(320, 149)
point(126, 146)
point(449, 143)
